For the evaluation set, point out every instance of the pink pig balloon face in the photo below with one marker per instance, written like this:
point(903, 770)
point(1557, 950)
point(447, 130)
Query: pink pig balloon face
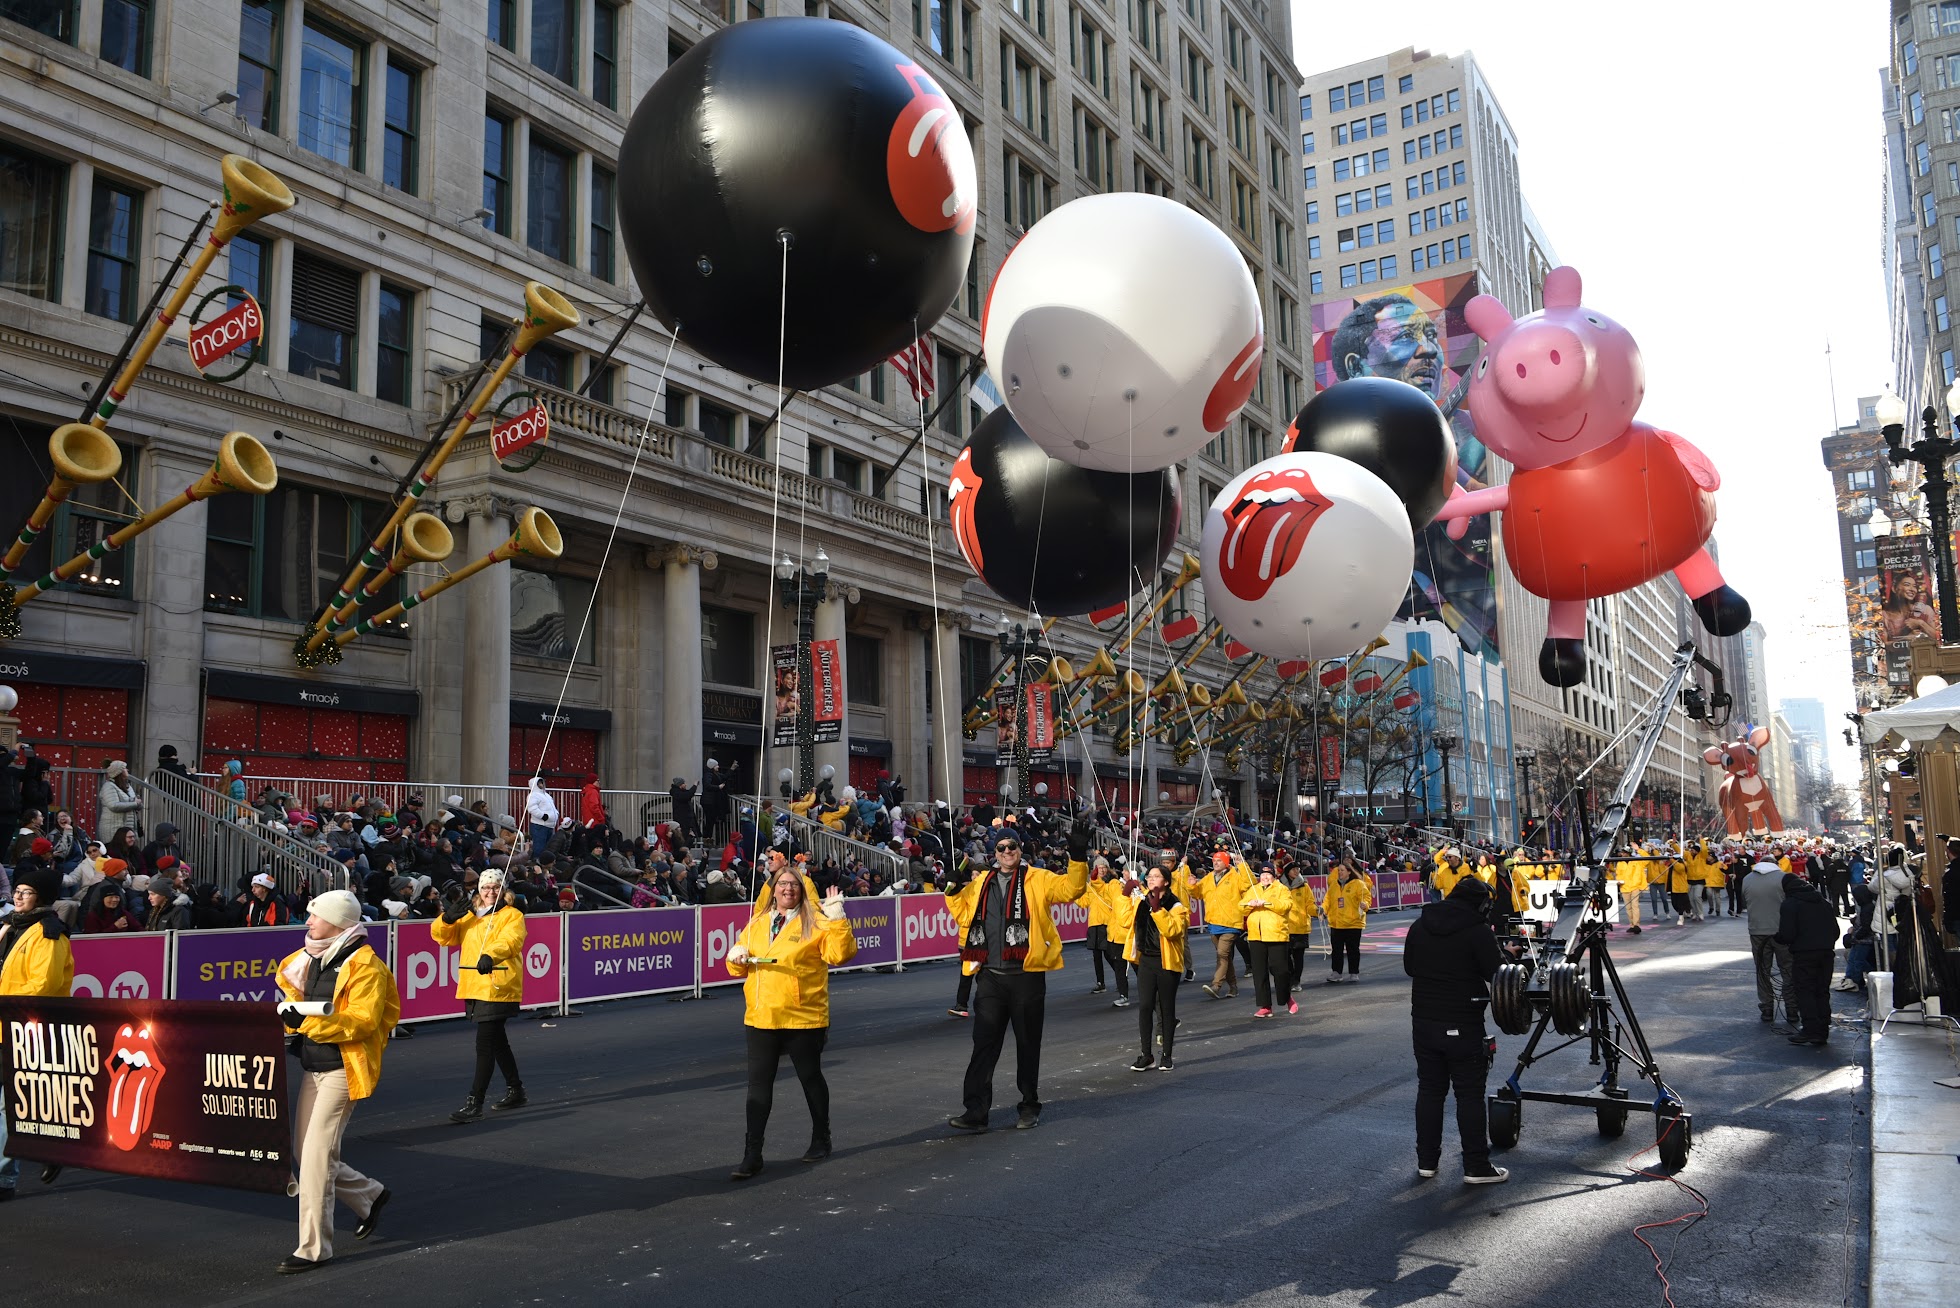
point(1554, 384)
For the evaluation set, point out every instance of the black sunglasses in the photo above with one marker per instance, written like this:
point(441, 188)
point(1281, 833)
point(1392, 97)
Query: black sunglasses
point(1009, 845)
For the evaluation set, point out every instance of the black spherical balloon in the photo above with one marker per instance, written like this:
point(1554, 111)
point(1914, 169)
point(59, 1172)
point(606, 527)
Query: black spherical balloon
point(1099, 531)
point(813, 131)
point(1388, 427)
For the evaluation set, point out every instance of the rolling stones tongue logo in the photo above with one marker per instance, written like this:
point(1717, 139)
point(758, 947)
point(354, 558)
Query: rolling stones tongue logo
point(1266, 528)
point(962, 493)
point(929, 160)
point(135, 1070)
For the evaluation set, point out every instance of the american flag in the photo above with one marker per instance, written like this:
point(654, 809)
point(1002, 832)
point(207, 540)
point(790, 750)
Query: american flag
point(914, 364)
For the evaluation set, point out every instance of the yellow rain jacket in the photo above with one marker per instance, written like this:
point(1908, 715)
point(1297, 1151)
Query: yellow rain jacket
point(834, 817)
point(1119, 912)
point(1632, 875)
point(1184, 884)
point(1172, 923)
point(501, 936)
point(1299, 920)
point(791, 991)
point(366, 1008)
point(1095, 896)
point(1045, 889)
point(1677, 874)
point(1445, 877)
point(41, 963)
point(1222, 896)
point(1713, 873)
point(1348, 901)
point(1267, 908)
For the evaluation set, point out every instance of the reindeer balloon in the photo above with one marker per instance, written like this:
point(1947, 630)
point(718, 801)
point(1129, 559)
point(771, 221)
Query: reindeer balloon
point(1598, 503)
point(1745, 798)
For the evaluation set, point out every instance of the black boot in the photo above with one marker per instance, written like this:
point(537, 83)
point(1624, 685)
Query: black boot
point(471, 1110)
point(1562, 661)
point(513, 1098)
point(1723, 611)
point(819, 1146)
point(751, 1164)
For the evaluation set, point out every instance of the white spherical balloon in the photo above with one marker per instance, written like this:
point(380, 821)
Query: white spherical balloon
point(1124, 332)
point(1306, 556)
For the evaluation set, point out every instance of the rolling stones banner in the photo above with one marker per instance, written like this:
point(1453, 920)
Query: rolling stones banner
point(181, 1091)
point(827, 688)
point(1417, 333)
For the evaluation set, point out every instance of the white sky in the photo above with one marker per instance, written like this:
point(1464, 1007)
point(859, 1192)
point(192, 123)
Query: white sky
point(1714, 170)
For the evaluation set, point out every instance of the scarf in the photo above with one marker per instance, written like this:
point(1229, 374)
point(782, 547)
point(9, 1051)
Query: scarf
point(1015, 931)
point(17, 926)
point(312, 950)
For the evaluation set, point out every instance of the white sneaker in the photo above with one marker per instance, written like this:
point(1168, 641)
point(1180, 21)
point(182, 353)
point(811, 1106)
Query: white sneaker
point(1426, 1173)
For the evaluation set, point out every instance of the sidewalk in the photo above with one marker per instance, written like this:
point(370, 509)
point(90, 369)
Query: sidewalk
point(1915, 1250)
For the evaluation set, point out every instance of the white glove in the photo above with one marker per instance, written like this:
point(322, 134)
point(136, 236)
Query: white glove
point(833, 904)
point(738, 954)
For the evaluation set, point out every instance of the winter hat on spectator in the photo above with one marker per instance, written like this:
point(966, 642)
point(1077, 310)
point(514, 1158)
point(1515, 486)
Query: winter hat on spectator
point(567, 896)
point(715, 877)
point(490, 876)
point(265, 879)
point(338, 907)
point(116, 767)
point(41, 848)
point(165, 862)
point(45, 882)
point(454, 800)
point(112, 867)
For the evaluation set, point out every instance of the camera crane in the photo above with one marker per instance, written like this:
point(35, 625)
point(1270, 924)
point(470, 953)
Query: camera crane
point(1572, 987)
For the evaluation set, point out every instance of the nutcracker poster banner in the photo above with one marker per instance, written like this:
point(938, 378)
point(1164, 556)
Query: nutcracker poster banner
point(786, 676)
point(177, 1090)
point(1007, 725)
point(1330, 758)
point(827, 691)
point(1038, 721)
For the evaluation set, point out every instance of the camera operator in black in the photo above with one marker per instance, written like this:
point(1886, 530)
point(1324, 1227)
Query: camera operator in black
point(1451, 955)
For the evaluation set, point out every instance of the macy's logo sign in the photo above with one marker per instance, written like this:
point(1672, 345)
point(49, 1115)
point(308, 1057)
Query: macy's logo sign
point(328, 698)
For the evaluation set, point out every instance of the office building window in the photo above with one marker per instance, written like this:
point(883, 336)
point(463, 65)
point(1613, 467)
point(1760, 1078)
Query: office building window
point(1405, 84)
point(717, 423)
point(1282, 244)
point(1935, 261)
point(1306, 108)
point(32, 190)
point(1940, 320)
point(605, 55)
point(1417, 259)
point(1946, 366)
point(326, 317)
point(115, 229)
point(1369, 271)
point(1316, 282)
point(1864, 558)
point(1336, 98)
point(282, 555)
point(728, 653)
point(400, 128)
point(554, 38)
point(248, 255)
point(1311, 177)
point(1350, 275)
point(1306, 143)
point(1313, 211)
point(1916, 108)
point(496, 171)
point(394, 345)
point(503, 23)
point(1313, 247)
point(864, 658)
point(1377, 88)
point(1943, 19)
point(1200, 162)
point(1922, 158)
point(1095, 152)
point(1090, 54)
point(259, 41)
point(1389, 272)
point(599, 255)
point(126, 35)
point(1385, 230)
point(331, 91)
point(551, 364)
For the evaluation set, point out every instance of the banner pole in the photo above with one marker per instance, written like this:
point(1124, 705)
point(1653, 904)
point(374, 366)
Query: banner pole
point(565, 960)
point(700, 944)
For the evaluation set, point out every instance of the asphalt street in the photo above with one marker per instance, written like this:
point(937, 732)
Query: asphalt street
point(1274, 1165)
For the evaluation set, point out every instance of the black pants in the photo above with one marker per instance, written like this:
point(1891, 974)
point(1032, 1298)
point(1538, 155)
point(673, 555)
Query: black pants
point(767, 1045)
point(966, 989)
point(1245, 950)
point(1735, 894)
point(1098, 944)
point(1114, 952)
point(1840, 894)
point(1347, 946)
point(493, 1050)
point(1006, 999)
point(1811, 980)
point(1271, 969)
point(1296, 954)
point(1450, 1056)
point(1157, 1005)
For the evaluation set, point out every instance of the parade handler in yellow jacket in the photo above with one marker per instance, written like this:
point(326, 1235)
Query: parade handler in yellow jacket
point(35, 959)
point(1011, 935)
point(1632, 874)
point(784, 957)
point(1268, 905)
point(340, 1062)
point(1222, 890)
point(1350, 894)
point(1159, 922)
point(489, 981)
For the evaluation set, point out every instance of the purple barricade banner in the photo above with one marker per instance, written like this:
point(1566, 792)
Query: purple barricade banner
point(926, 928)
point(1388, 891)
point(120, 966)
point(630, 951)
point(242, 963)
point(875, 923)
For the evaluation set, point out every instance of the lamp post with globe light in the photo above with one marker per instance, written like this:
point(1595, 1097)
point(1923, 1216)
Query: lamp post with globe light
point(1931, 452)
point(802, 589)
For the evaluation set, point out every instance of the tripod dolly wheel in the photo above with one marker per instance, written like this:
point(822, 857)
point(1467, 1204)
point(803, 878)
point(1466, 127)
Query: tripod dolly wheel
point(1506, 1119)
point(1612, 1120)
point(1508, 1006)
point(1675, 1131)
point(1571, 999)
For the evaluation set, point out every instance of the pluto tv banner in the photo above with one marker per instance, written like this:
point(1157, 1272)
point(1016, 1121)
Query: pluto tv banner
point(181, 1091)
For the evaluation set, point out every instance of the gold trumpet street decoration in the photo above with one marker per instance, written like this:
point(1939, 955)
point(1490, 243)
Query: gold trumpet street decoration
point(1187, 572)
point(980, 711)
point(546, 313)
point(81, 455)
point(1413, 662)
point(243, 464)
point(251, 193)
point(536, 537)
point(425, 538)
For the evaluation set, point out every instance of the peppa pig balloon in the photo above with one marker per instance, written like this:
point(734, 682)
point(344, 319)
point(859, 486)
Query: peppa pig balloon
point(1597, 502)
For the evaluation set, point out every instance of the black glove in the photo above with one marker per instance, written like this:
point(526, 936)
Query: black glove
point(483, 964)
point(1080, 833)
point(293, 1019)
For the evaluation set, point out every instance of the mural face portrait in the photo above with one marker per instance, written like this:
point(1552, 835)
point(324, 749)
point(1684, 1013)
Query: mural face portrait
point(1390, 337)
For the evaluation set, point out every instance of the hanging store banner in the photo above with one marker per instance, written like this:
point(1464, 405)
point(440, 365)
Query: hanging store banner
point(787, 678)
point(167, 1089)
point(1007, 725)
point(1039, 722)
point(512, 432)
point(1330, 757)
point(241, 327)
point(827, 688)
point(1905, 603)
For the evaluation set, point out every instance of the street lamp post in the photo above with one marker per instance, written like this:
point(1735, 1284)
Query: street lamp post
point(1931, 453)
point(1445, 742)
point(1018, 643)
point(803, 588)
point(1525, 759)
